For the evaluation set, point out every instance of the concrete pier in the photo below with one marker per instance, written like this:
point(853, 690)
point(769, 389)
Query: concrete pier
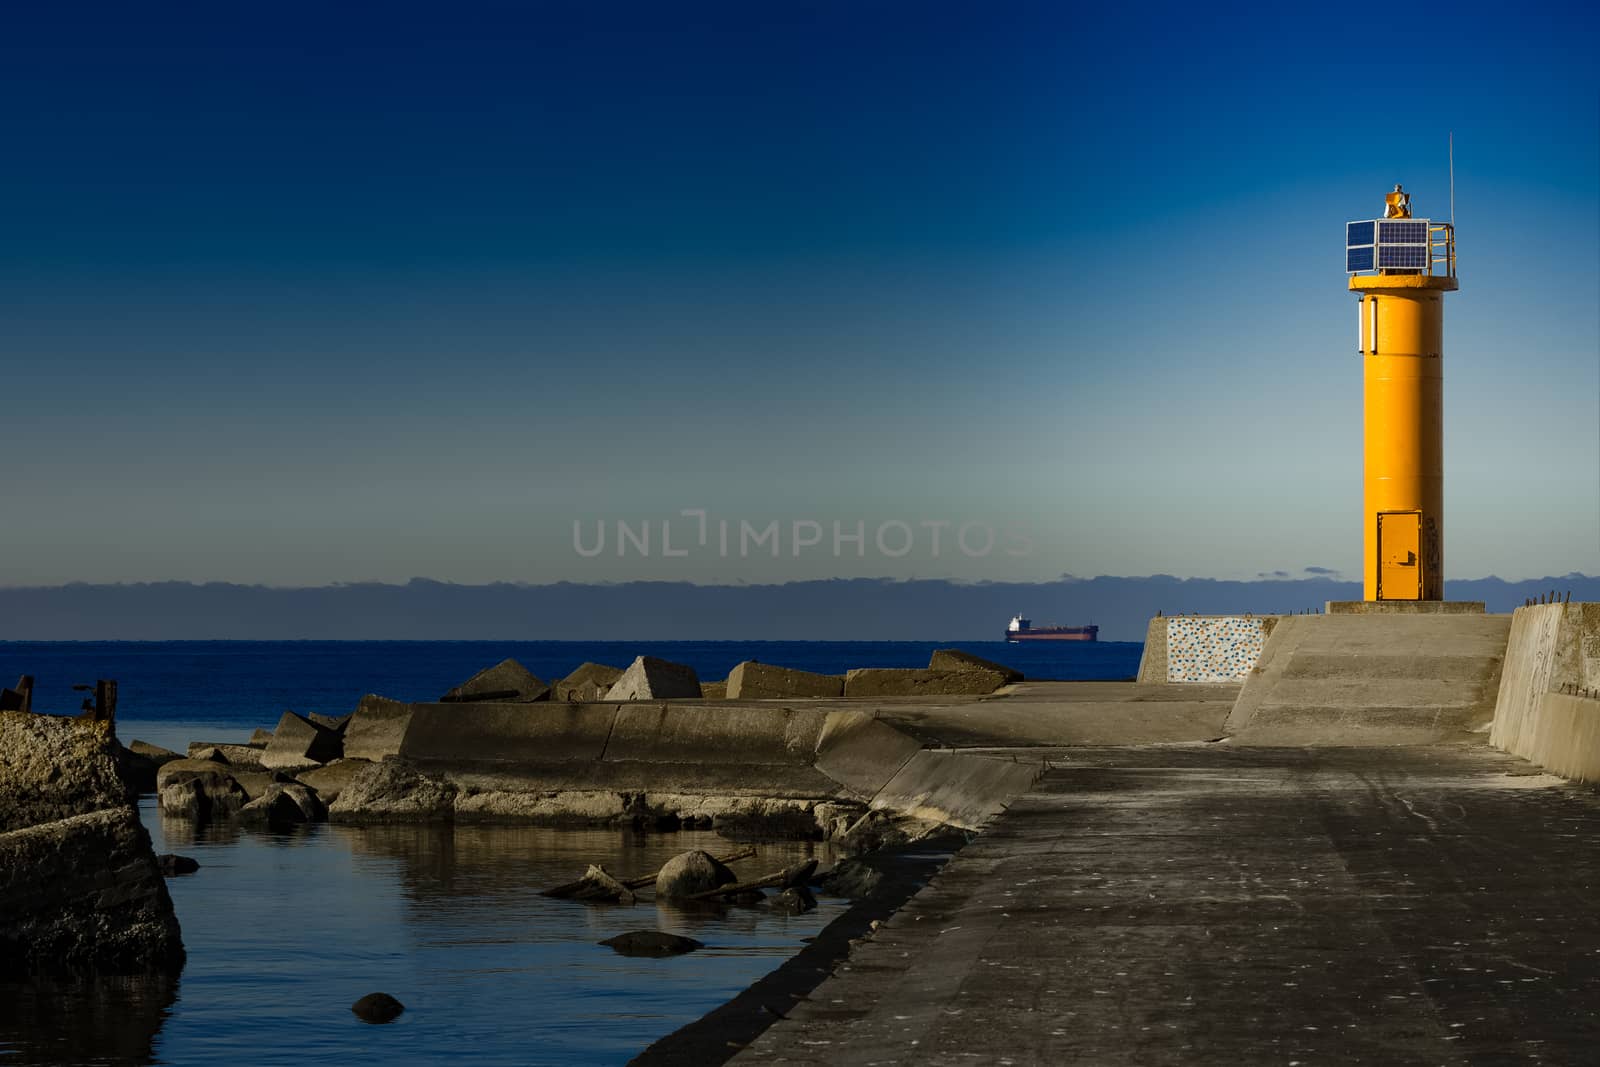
point(1208, 904)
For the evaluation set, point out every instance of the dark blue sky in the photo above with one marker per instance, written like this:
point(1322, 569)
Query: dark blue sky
point(304, 293)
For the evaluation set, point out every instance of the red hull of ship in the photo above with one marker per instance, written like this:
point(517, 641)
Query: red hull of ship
point(1064, 633)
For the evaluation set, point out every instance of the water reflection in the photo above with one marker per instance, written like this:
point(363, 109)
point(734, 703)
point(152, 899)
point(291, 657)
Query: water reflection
point(103, 1021)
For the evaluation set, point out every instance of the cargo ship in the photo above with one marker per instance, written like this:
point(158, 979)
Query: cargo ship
point(1023, 630)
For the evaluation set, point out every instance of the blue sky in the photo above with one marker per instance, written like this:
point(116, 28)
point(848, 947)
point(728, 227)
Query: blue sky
point(312, 293)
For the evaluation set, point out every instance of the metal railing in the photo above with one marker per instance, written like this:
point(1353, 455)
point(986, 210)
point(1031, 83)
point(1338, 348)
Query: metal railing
point(1442, 249)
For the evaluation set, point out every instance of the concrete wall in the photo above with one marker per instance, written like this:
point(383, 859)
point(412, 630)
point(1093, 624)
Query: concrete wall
point(1552, 647)
point(1381, 679)
point(1202, 648)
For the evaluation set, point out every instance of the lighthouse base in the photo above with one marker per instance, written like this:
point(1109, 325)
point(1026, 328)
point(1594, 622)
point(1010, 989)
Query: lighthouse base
point(1404, 607)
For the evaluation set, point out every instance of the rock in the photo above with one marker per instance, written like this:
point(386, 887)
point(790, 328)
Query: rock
point(172, 865)
point(260, 738)
point(331, 780)
point(650, 678)
point(953, 659)
point(52, 768)
point(853, 878)
point(745, 898)
point(762, 681)
point(393, 789)
point(208, 789)
point(84, 895)
point(651, 943)
point(256, 783)
point(796, 876)
point(884, 682)
point(796, 901)
point(689, 873)
point(771, 822)
point(285, 804)
point(243, 756)
point(589, 683)
point(506, 682)
point(377, 1008)
point(139, 762)
point(298, 743)
point(599, 887)
point(377, 728)
point(879, 830)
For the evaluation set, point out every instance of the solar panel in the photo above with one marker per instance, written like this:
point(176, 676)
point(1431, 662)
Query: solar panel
point(1387, 244)
point(1358, 233)
point(1402, 256)
point(1402, 232)
point(1358, 259)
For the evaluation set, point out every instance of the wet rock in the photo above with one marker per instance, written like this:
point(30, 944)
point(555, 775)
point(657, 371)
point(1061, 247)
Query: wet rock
point(852, 878)
point(771, 822)
point(377, 1008)
point(650, 678)
point(173, 864)
point(199, 789)
point(689, 873)
point(798, 875)
point(589, 683)
point(745, 898)
point(796, 901)
point(751, 680)
point(953, 659)
point(507, 681)
point(878, 830)
point(393, 789)
point(285, 804)
point(651, 943)
point(298, 743)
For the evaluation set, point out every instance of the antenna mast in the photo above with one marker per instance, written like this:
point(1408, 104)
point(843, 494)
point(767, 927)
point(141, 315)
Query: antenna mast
point(1452, 179)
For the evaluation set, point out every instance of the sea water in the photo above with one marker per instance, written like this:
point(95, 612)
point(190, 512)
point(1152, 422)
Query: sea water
point(286, 929)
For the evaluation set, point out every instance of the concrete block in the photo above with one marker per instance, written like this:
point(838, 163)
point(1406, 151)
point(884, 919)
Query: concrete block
point(199, 789)
point(377, 728)
point(861, 752)
point(260, 738)
point(507, 733)
point(285, 803)
point(298, 742)
point(590, 682)
point(713, 690)
point(954, 659)
point(336, 723)
point(941, 786)
point(1403, 607)
point(52, 768)
point(506, 682)
point(867, 682)
point(1153, 660)
point(246, 756)
point(329, 781)
point(697, 735)
point(650, 678)
point(751, 680)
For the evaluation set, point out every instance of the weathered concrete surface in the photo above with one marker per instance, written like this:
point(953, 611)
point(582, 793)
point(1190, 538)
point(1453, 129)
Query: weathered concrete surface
point(1563, 736)
point(1373, 680)
point(53, 768)
point(870, 682)
point(1551, 647)
point(377, 728)
point(1071, 713)
point(1153, 660)
point(957, 788)
point(507, 681)
point(696, 734)
point(1403, 607)
point(590, 681)
point(763, 681)
point(329, 781)
point(861, 752)
point(954, 659)
point(649, 678)
point(298, 743)
point(1215, 905)
point(545, 732)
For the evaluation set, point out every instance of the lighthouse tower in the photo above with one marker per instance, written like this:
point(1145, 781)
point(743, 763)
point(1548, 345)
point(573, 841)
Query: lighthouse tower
point(1402, 266)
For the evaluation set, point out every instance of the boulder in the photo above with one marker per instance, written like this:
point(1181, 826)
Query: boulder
point(651, 943)
point(330, 781)
point(199, 789)
point(762, 681)
point(139, 762)
point(507, 682)
point(84, 895)
point(953, 659)
point(650, 678)
point(393, 789)
point(589, 683)
point(154, 753)
point(689, 873)
point(52, 768)
point(886, 682)
point(255, 783)
point(173, 865)
point(297, 743)
point(377, 1008)
point(243, 756)
point(597, 886)
point(283, 804)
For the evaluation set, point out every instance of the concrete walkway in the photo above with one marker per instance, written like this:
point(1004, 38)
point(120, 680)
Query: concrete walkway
point(1204, 904)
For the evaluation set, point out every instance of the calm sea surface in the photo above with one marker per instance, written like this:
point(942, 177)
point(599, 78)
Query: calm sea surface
point(286, 930)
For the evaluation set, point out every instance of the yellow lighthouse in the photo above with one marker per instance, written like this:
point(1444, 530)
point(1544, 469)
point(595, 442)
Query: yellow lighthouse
point(1402, 267)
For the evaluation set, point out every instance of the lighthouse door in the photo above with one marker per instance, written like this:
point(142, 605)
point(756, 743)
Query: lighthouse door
point(1400, 555)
